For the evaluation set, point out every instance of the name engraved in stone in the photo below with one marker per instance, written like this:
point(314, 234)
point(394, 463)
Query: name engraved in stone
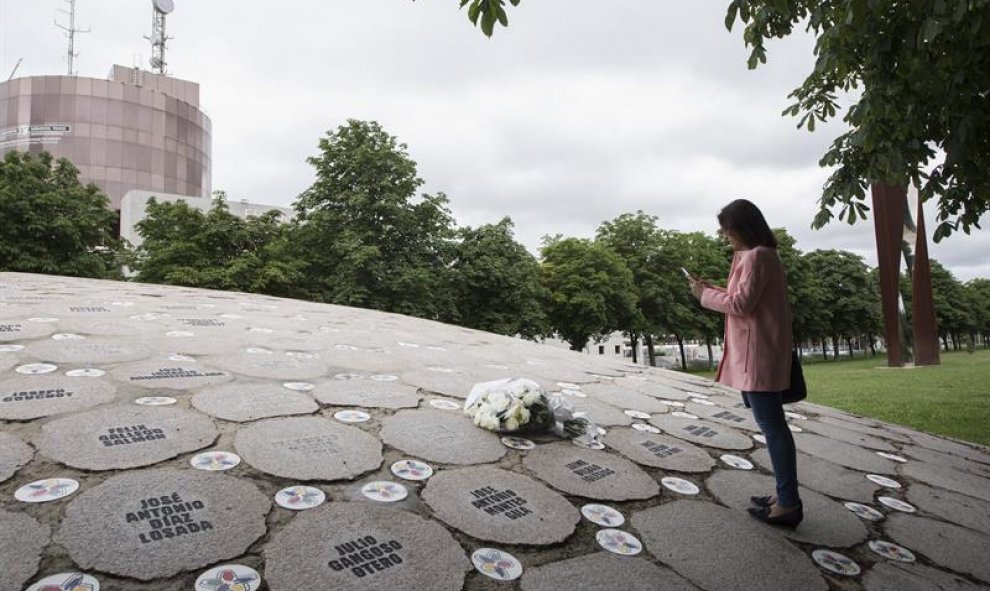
point(88, 309)
point(589, 472)
point(500, 502)
point(317, 444)
point(130, 434)
point(168, 516)
point(700, 431)
point(29, 395)
point(366, 556)
point(168, 373)
point(660, 450)
point(201, 322)
point(729, 416)
point(11, 327)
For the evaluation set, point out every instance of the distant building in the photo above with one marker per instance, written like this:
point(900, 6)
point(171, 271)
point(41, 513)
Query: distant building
point(135, 130)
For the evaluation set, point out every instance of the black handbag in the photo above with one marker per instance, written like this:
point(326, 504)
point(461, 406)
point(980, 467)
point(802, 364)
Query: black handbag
point(798, 390)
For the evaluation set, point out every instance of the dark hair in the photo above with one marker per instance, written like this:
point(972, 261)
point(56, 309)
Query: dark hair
point(745, 220)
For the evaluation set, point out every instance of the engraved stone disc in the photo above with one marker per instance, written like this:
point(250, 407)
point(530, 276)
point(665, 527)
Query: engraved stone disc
point(276, 365)
point(601, 571)
point(659, 451)
point(308, 448)
point(589, 473)
point(47, 395)
point(89, 351)
point(368, 393)
point(119, 437)
point(14, 453)
point(358, 546)
point(16, 330)
point(157, 523)
point(242, 402)
point(493, 504)
point(176, 375)
point(21, 544)
point(442, 437)
point(702, 433)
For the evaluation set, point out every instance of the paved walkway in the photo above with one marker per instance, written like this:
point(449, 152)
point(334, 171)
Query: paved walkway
point(161, 439)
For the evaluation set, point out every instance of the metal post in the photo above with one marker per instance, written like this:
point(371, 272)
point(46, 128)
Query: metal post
point(889, 207)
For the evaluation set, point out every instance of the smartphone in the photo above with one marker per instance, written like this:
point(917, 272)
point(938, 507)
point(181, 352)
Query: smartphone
point(686, 272)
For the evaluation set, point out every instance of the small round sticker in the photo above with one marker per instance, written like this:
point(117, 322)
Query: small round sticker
point(518, 443)
point(602, 515)
point(636, 414)
point(883, 481)
point(412, 470)
point(892, 551)
point(702, 402)
point(49, 489)
point(684, 415)
point(155, 401)
point(588, 444)
point(259, 351)
point(894, 457)
point(67, 336)
point(231, 316)
point(233, 577)
point(568, 386)
point(408, 345)
point(497, 564)
point(439, 369)
point(897, 504)
point(384, 491)
point(43, 319)
point(835, 562)
point(695, 395)
point(794, 415)
point(33, 369)
point(298, 386)
point(384, 377)
point(261, 330)
point(11, 348)
point(864, 511)
point(348, 376)
point(795, 429)
point(674, 403)
point(444, 404)
point(181, 334)
point(66, 582)
point(215, 461)
point(574, 393)
point(300, 355)
point(185, 358)
point(760, 438)
point(736, 462)
point(645, 428)
point(618, 542)
point(679, 485)
point(88, 372)
point(351, 416)
point(341, 347)
point(300, 497)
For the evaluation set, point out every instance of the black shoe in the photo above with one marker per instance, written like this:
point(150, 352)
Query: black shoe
point(790, 519)
point(765, 501)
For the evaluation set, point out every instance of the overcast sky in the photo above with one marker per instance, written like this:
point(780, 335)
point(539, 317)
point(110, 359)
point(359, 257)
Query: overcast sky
point(582, 110)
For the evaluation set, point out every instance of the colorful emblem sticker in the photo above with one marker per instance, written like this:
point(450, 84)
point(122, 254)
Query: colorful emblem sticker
point(574, 393)
point(66, 582)
point(794, 415)
point(702, 401)
point(229, 577)
point(384, 491)
point(11, 348)
point(181, 334)
point(496, 564)
point(412, 470)
point(33, 369)
point(518, 443)
point(679, 485)
point(215, 461)
point(348, 376)
point(602, 515)
point(835, 562)
point(300, 497)
point(892, 551)
point(893, 457)
point(588, 444)
point(50, 489)
point(444, 404)
point(645, 428)
point(155, 401)
point(88, 372)
point(864, 511)
point(674, 403)
point(636, 414)
point(883, 481)
point(384, 377)
point(736, 462)
point(760, 438)
point(351, 416)
point(897, 504)
point(795, 429)
point(619, 542)
point(568, 386)
point(259, 351)
point(298, 386)
point(182, 358)
point(684, 415)
point(67, 336)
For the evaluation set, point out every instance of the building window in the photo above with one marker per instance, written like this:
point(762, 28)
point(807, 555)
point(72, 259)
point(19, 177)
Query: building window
point(618, 349)
point(601, 349)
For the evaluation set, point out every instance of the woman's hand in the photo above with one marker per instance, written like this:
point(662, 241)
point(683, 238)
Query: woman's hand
point(698, 286)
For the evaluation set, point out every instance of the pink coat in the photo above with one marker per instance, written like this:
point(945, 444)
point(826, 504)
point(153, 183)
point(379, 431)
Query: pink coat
point(758, 340)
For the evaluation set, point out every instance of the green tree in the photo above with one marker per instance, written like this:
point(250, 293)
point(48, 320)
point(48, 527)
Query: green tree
point(952, 310)
point(216, 249)
point(496, 282)
point(369, 241)
point(978, 296)
point(589, 290)
point(50, 223)
point(845, 278)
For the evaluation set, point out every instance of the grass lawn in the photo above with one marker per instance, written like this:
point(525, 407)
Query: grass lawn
point(951, 399)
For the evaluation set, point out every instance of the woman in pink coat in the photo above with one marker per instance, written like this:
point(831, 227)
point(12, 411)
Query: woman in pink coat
point(756, 357)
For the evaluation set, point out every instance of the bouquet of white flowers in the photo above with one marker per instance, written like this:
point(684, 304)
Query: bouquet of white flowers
point(518, 405)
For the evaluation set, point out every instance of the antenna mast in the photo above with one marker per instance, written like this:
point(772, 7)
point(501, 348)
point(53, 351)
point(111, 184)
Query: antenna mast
point(70, 32)
point(158, 38)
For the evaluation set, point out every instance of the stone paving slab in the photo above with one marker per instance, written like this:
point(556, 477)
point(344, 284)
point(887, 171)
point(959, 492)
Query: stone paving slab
point(914, 577)
point(157, 523)
point(844, 454)
point(22, 330)
point(441, 436)
point(367, 393)
point(176, 375)
point(272, 364)
point(89, 350)
point(603, 571)
point(14, 453)
point(951, 506)
point(737, 418)
point(937, 457)
point(589, 473)
point(51, 394)
point(702, 432)
point(623, 398)
point(242, 402)
point(825, 477)
point(948, 446)
point(950, 546)
point(947, 477)
point(854, 437)
point(604, 415)
point(653, 389)
point(881, 432)
point(659, 451)
point(345, 546)
point(500, 506)
point(716, 548)
point(21, 544)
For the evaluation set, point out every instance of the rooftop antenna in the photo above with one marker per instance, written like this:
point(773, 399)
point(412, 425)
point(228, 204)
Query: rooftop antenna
point(70, 32)
point(14, 71)
point(158, 37)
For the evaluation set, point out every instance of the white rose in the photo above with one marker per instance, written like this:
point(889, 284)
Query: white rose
point(531, 397)
point(512, 424)
point(524, 416)
point(500, 401)
point(490, 423)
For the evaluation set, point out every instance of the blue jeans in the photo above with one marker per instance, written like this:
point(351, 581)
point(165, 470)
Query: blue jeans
point(768, 411)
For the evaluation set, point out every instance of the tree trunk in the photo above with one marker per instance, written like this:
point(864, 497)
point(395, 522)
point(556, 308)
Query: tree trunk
point(651, 349)
point(945, 341)
point(680, 344)
point(824, 350)
point(873, 346)
point(849, 343)
point(634, 342)
point(711, 360)
point(835, 347)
